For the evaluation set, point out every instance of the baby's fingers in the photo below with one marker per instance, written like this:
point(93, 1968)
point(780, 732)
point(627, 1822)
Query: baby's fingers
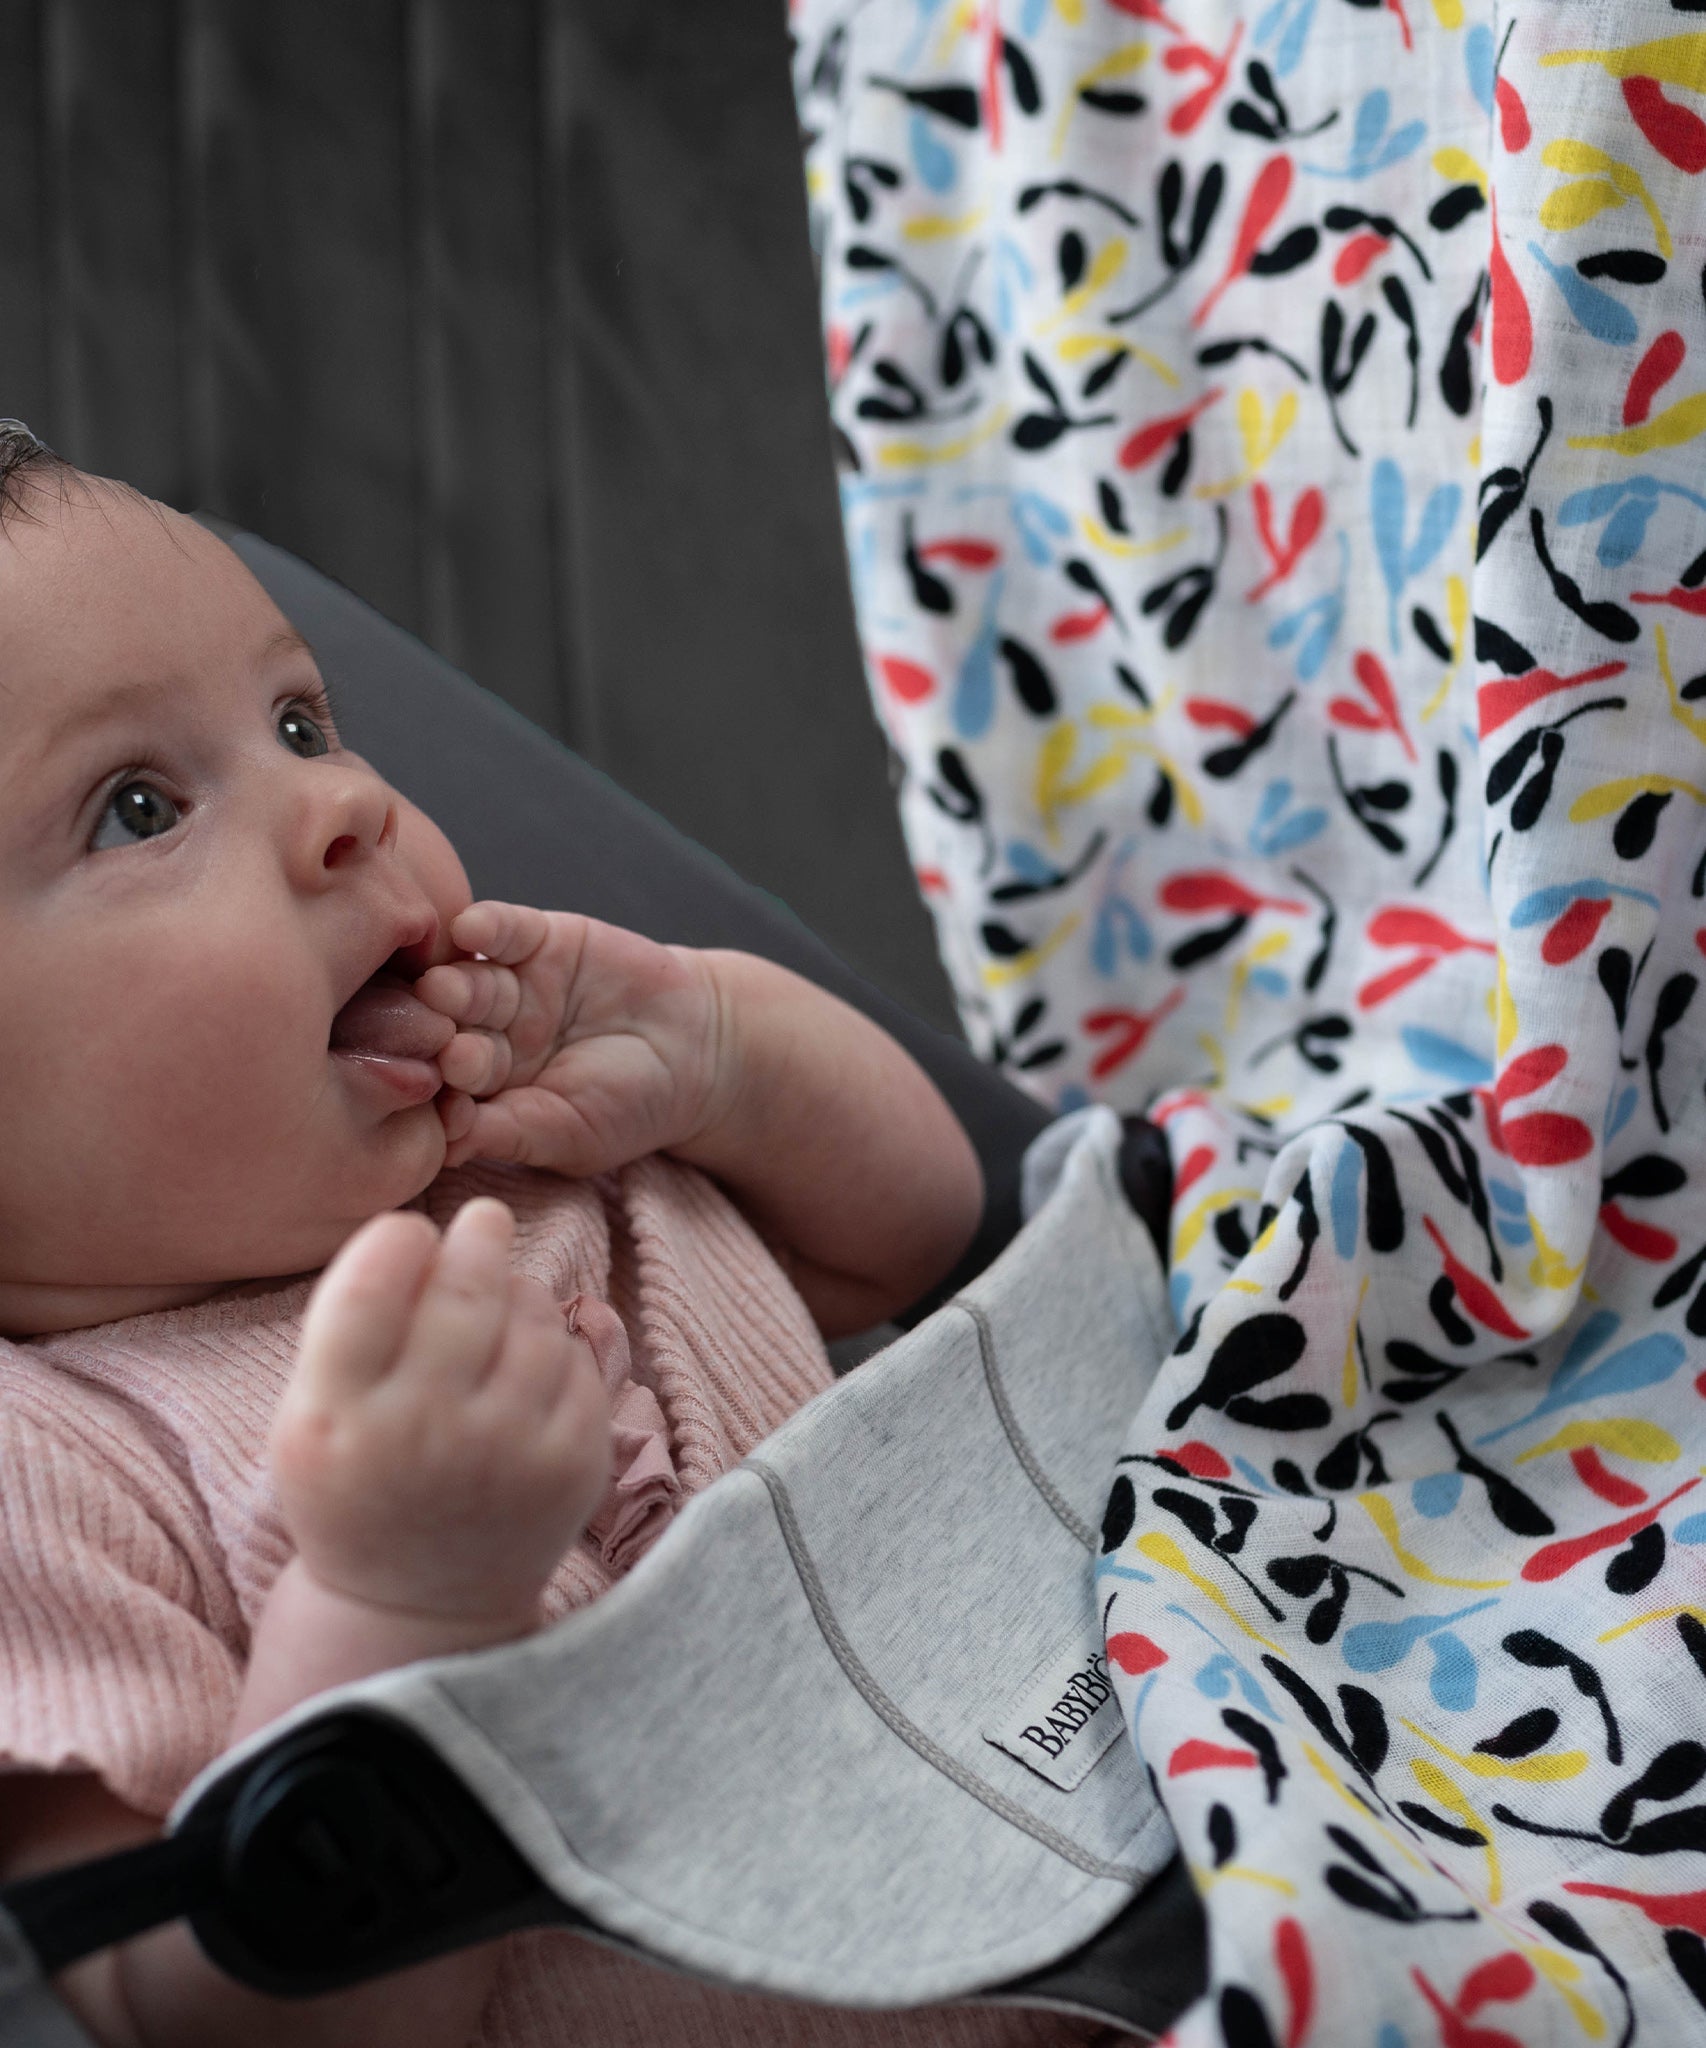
point(472, 993)
point(509, 933)
point(359, 1314)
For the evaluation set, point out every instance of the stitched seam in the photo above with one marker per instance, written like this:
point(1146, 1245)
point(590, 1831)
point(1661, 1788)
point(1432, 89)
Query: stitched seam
point(891, 1716)
point(1063, 1510)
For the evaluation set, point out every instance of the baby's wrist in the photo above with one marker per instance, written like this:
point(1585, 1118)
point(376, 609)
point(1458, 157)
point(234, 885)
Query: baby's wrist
point(314, 1635)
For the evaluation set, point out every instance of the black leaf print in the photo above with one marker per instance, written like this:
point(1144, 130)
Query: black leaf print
point(1260, 1738)
point(1308, 1230)
point(1339, 364)
point(1243, 2021)
point(1205, 944)
point(1633, 832)
point(1450, 210)
point(1002, 941)
point(1493, 643)
point(1393, 292)
point(1693, 1636)
point(1456, 375)
point(1160, 806)
point(1674, 1771)
point(1509, 488)
point(1284, 1412)
point(1228, 760)
point(1198, 1516)
point(1442, 1304)
point(1383, 1213)
point(1112, 99)
point(1634, 1569)
point(1613, 967)
point(1605, 618)
point(1027, 94)
point(1687, 1954)
point(1119, 1517)
point(1428, 632)
point(1624, 266)
point(1300, 1577)
point(1566, 1929)
point(1521, 1515)
point(1071, 258)
point(1427, 1374)
point(1365, 1719)
point(1644, 1179)
point(1259, 1348)
point(1540, 1653)
point(1178, 466)
point(1222, 1833)
point(1176, 256)
point(1099, 379)
point(1502, 776)
point(1532, 798)
point(1673, 1002)
point(929, 592)
point(1231, 1235)
point(1447, 1830)
point(1380, 1892)
point(1445, 770)
point(1289, 253)
point(955, 103)
point(1523, 1736)
point(1072, 188)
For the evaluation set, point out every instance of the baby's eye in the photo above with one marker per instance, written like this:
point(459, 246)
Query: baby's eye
point(136, 810)
point(303, 732)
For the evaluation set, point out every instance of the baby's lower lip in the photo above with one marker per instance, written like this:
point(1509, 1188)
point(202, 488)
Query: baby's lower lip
point(395, 1079)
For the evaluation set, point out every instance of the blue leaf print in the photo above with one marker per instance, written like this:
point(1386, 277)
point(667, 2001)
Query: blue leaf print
point(1387, 516)
point(1439, 516)
point(974, 693)
point(1372, 149)
point(1269, 980)
point(1619, 1112)
point(1480, 57)
point(1040, 523)
point(1115, 916)
point(1605, 318)
point(1013, 277)
point(1345, 1201)
point(1027, 863)
point(1647, 1362)
point(1435, 1494)
point(1454, 1675)
point(1378, 1645)
point(1437, 1054)
point(1691, 1529)
point(1031, 16)
point(935, 161)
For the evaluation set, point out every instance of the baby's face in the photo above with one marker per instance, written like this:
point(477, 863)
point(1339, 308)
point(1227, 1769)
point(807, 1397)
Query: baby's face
point(195, 876)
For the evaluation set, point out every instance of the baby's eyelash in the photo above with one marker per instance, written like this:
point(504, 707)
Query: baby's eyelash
point(317, 702)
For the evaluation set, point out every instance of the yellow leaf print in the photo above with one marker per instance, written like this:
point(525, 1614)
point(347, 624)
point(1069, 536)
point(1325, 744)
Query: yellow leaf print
point(1582, 159)
point(1548, 1767)
point(1678, 709)
point(1461, 168)
point(1672, 60)
point(1443, 1792)
point(1625, 1435)
point(1120, 63)
point(1668, 429)
point(1575, 204)
point(1260, 438)
point(1075, 347)
point(1606, 797)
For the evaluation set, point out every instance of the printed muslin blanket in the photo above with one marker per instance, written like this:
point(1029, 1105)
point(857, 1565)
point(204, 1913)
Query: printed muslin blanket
point(1272, 441)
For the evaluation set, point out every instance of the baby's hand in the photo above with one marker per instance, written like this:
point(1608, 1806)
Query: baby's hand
point(580, 1046)
point(444, 1438)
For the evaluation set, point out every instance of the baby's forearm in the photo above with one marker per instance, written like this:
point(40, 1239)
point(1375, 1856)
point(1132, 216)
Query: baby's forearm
point(308, 1640)
point(838, 1145)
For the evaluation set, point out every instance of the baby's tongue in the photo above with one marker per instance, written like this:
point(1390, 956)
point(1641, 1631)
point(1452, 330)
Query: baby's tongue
point(386, 1016)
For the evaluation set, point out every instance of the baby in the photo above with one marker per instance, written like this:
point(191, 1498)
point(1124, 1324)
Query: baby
point(251, 1015)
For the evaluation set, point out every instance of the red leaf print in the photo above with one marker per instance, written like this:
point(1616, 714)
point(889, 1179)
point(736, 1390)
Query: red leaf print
point(910, 682)
point(1663, 1909)
point(1655, 369)
point(1193, 57)
point(1645, 1240)
point(965, 554)
point(1591, 1471)
point(1268, 194)
point(1347, 711)
point(1201, 1460)
point(1308, 516)
point(1198, 1755)
point(1477, 1297)
point(1148, 10)
point(1196, 1164)
point(1500, 1978)
point(1211, 711)
point(1513, 331)
point(1553, 1560)
point(1678, 599)
point(1531, 1070)
point(1575, 931)
point(1498, 703)
point(1131, 1029)
point(1291, 1953)
point(1079, 625)
point(1678, 134)
point(992, 78)
point(1545, 1138)
point(1400, 927)
point(1374, 679)
point(1514, 131)
point(1149, 439)
point(1135, 1654)
point(1375, 992)
point(1210, 889)
point(1357, 254)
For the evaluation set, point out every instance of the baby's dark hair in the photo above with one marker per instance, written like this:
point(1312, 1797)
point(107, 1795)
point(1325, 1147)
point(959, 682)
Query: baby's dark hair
point(27, 463)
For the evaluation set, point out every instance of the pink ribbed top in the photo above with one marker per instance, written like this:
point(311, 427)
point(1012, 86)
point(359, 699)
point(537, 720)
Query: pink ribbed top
point(139, 1537)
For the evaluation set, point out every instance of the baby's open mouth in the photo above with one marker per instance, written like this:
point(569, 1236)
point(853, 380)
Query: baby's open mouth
point(385, 1019)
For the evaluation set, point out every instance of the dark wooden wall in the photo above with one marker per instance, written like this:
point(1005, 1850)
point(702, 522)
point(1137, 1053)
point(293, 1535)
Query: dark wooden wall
point(501, 312)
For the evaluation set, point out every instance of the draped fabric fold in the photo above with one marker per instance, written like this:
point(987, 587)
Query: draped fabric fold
point(1272, 490)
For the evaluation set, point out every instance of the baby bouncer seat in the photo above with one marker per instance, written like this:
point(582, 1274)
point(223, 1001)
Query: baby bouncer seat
point(770, 1756)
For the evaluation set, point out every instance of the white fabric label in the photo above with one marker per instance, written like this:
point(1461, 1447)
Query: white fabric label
point(1064, 1719)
